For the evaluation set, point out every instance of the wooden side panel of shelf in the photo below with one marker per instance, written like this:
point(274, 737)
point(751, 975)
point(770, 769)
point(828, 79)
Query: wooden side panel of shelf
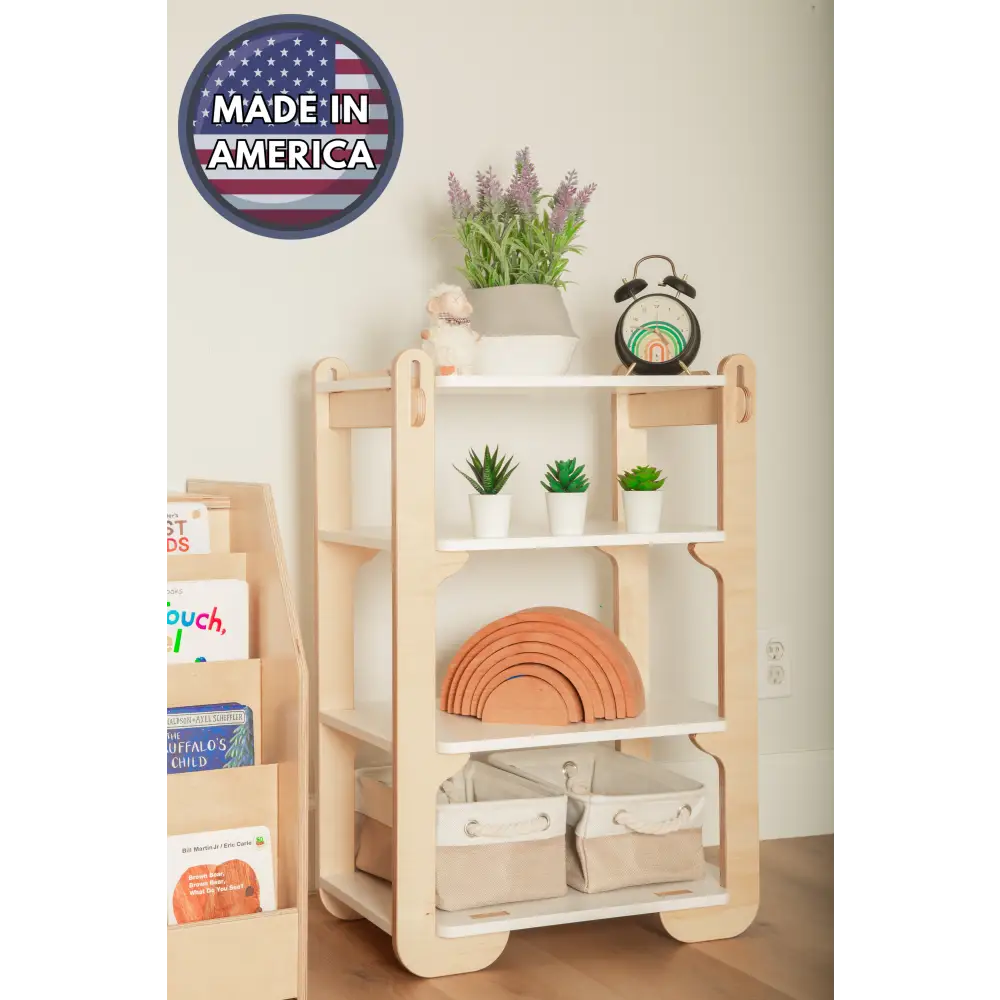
point(337, 567)
point(630, 564)
point(734, 562)
point(276, 643)
point(418, 769)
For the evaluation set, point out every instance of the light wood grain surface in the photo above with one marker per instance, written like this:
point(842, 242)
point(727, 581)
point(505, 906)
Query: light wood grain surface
point(786, 954)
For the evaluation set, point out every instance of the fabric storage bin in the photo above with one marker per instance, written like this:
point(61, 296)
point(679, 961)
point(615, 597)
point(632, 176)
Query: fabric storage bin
point(501, 837)
point(630, 821)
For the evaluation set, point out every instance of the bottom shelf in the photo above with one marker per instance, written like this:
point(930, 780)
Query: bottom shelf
point(372, 898)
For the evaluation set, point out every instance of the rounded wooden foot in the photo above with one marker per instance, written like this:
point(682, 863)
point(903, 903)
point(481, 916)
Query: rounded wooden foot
point(713, 923)
point(431, 958)
point(335, 907)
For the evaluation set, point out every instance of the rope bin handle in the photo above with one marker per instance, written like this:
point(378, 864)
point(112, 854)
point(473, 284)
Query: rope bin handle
point(538, 824)
point(656, 828)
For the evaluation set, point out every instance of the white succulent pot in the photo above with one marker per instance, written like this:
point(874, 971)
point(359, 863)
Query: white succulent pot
point(490, 514)
point(642, 511)
point(567, 512)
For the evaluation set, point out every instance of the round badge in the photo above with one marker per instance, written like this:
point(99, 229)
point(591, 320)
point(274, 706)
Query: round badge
point(290, 126)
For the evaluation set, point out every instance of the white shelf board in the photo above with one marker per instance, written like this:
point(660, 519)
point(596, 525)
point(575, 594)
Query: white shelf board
point(365, 894)
point(604, 534)
point(514, 384)
point(372, 898)
point(671, 716)
point(576, 907)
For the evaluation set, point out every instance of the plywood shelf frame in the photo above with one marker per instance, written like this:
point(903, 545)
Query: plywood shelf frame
point(420, 565)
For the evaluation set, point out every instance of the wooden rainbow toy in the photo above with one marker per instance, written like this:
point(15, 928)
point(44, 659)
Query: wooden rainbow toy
point(543, 666)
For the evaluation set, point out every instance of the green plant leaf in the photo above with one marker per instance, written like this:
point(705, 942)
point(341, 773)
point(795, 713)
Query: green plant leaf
point(503, 479)
point(472, 481)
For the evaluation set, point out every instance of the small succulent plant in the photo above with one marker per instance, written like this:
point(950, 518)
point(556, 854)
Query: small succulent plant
point(566, 477)
point(642, 478)
point(491, 472)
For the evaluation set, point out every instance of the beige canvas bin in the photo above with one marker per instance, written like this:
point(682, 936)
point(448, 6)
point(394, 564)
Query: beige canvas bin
point(630, 821)
point(501, 838)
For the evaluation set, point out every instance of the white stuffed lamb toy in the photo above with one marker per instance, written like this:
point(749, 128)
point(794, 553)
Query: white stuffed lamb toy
point(451, 330)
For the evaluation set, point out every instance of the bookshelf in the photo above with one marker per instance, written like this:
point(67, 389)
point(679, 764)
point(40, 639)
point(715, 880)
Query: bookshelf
point(427, 745)
point(261, 956)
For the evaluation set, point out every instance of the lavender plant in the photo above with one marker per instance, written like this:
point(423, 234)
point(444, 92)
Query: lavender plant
point(506, 241)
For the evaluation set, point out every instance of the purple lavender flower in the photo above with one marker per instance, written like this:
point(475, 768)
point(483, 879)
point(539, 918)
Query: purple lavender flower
point(522, 195)
point(566, 191)
point(569, 201)
point(557, 218)
point(525, 169)
point(488, 188)
point(582, 199)
point(461, 203)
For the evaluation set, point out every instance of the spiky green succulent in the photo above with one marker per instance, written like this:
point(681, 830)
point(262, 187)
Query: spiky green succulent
point(566, 477)
point(491, 472)
point(642, 478)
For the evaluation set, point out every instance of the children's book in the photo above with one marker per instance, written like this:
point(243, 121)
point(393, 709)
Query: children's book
point(221, 873)
point(207, 620)
point(187, 528)
point(207, 737)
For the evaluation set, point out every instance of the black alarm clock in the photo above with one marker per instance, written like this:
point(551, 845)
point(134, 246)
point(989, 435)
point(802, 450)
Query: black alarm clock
point(658, 334)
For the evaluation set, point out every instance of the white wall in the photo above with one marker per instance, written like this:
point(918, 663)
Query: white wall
point(707, 125)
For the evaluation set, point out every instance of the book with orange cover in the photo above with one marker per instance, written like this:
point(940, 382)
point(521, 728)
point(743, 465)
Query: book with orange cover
point(220, 873)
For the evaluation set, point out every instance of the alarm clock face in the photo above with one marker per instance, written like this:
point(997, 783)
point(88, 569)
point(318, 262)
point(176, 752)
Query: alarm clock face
point(656, 328)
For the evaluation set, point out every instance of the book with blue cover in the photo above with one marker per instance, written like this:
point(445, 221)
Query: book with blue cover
point(208, 737)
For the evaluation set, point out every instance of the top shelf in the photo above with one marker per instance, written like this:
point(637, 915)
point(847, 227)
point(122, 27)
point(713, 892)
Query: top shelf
point(459, 385)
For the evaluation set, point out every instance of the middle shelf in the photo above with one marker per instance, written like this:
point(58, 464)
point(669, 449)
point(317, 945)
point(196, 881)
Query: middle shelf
point(673, 716)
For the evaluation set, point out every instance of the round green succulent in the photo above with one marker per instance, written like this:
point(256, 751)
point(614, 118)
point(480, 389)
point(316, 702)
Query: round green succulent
point(566, 477)
point(642, 478)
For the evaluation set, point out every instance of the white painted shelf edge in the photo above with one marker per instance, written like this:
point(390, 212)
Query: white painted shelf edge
point(456, 384)
point(372, 898)
point(598, 534)
point(674, 716)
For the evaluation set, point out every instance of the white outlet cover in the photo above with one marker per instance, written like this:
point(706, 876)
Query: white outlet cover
point(774, 671)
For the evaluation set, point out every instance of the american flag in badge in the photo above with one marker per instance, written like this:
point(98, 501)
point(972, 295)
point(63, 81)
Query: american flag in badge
point(302, 176)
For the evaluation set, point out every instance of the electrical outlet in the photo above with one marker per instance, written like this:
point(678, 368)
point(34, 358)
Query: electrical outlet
point(774, 670)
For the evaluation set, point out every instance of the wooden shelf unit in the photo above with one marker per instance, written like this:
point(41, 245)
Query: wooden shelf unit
point(261, 956)
point(428, 746)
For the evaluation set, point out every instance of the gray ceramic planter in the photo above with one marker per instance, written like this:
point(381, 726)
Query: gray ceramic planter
point(525, 330)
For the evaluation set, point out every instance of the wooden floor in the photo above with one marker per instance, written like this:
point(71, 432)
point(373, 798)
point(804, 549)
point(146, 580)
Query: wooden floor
point(787, 953)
